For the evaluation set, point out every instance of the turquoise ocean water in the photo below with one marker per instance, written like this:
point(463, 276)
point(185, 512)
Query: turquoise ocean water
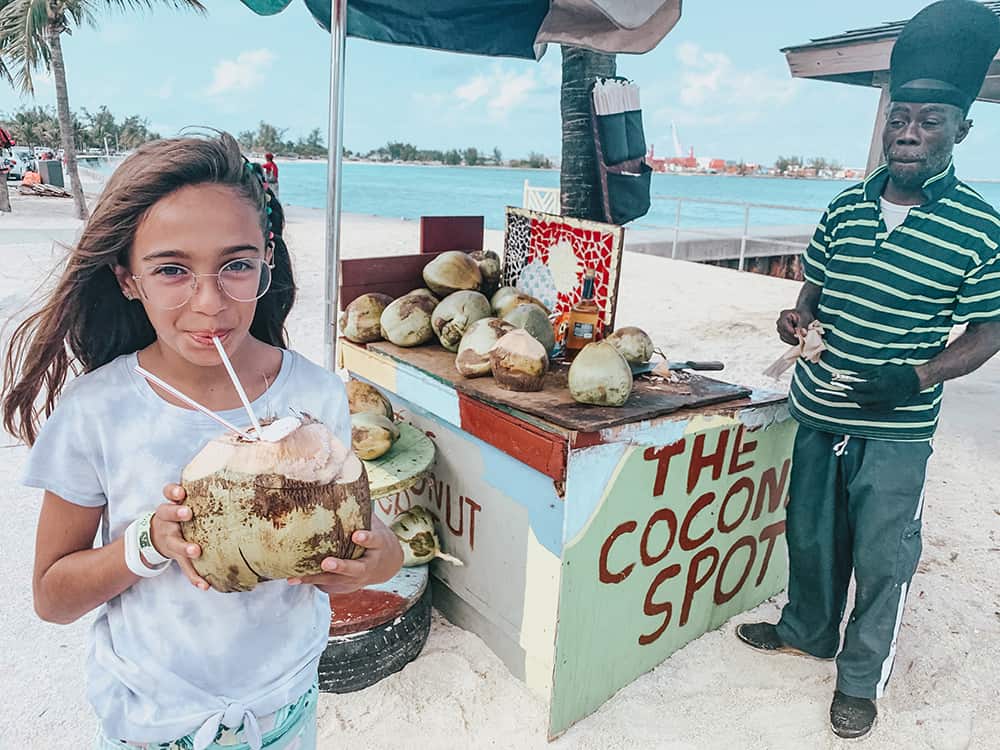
point(410, 191)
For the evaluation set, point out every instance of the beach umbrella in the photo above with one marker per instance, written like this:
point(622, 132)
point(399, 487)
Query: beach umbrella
point(497, 28)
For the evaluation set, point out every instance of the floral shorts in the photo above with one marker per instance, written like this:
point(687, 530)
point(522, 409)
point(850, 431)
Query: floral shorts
point(292, 728)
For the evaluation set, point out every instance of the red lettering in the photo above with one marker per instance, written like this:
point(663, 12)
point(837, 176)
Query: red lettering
point(653, 609)
point(437, 490)
point(694, 582)
point(605, 575)
point(772, 488)
point(663, 514)
point(739, 448)
point(699, 461)
point(770, 535)
point(662, 457)
point(461, 513)
point(686, 542)
point(743, 483)
point(721, 597)
point(386, 504)
point(473, 508)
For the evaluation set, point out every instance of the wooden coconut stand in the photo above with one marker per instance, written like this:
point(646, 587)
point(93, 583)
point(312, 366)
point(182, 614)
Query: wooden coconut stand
point(596, 541)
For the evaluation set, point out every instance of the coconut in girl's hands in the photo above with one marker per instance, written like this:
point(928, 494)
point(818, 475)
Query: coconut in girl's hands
point(276, 507)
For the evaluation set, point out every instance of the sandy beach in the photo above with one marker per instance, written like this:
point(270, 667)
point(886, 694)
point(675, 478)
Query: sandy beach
point(714, 693)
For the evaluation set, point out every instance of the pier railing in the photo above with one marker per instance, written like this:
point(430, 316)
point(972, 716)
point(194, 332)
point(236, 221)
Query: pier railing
point(772, 236)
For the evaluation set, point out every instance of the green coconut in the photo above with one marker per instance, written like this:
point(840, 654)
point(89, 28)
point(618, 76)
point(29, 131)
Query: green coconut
point(535, 321)
point(634, 344)
point(455, 313)
point(372, 435)
point(450, 272)
point(600, 375)
point(407, 320)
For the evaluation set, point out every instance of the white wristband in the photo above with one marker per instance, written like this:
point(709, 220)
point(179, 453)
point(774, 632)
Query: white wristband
point(149, 553)
point(132, 558)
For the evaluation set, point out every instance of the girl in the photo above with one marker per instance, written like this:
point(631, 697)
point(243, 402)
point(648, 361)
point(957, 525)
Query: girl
point(160, 269)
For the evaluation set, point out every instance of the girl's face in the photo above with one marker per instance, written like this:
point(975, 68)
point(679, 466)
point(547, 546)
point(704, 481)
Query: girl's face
point(196, 230)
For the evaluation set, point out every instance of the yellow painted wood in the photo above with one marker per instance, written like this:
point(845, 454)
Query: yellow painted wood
point(406, 462)
point(377, 368)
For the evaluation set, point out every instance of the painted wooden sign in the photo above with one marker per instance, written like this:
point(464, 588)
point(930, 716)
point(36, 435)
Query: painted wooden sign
point(591, 557)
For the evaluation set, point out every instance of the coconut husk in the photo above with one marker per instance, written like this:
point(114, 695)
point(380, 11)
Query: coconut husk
point(310, 497)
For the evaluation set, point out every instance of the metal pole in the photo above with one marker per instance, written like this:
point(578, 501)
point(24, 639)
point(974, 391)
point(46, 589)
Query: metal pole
point(677, 229)
point(743, 239)
point(331, 268)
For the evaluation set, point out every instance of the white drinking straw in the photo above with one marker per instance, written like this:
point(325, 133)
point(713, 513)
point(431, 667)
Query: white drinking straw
point(236, 383)
point(191, 402)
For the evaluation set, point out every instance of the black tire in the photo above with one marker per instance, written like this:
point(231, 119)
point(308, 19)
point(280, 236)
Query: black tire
point(354, 662)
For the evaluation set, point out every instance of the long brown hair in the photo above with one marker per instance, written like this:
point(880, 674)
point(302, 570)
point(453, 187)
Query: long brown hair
point(86, 322)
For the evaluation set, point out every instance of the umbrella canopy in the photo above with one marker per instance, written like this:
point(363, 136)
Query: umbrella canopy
point(501, 28)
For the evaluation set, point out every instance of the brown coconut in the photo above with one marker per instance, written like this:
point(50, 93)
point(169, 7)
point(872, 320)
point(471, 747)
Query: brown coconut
point(360, 320)
point(519, 362)
point(372, 435)
point(489, 268)
point(362, 397)
point(450, 272)
point(274, 508)
point(407, 321)
point(473, 360)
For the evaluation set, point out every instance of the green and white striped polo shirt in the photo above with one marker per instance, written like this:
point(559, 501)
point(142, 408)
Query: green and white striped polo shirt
point(892, 297)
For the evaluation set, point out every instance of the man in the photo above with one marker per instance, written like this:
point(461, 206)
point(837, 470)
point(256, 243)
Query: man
point(271, 173)
point(894, 263)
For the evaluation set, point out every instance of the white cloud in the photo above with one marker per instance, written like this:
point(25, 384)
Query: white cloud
point(473, 90)
point(503, 89)
point(511, 90)
point(713, 90)
point(241, 74)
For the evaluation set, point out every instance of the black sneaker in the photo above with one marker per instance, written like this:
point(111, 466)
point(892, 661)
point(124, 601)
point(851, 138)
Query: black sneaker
point(850, 717)
point(763, 636)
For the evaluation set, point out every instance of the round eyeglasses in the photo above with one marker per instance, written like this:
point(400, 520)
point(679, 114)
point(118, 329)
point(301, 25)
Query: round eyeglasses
point(171, 286)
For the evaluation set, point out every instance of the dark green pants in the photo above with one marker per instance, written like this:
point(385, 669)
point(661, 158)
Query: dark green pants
point(855, 507)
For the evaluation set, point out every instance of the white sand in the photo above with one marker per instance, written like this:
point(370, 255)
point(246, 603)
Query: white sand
point(712, 694)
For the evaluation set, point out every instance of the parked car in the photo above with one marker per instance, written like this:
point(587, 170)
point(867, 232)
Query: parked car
point(20, 159)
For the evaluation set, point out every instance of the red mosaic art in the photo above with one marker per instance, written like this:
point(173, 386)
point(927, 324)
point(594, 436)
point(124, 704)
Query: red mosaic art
point(547, 255)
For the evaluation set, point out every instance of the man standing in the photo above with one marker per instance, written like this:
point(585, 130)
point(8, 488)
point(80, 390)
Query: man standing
point(271, 173)
point(894, 263)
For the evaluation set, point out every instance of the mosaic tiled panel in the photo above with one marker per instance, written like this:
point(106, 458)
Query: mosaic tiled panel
point(546, 256)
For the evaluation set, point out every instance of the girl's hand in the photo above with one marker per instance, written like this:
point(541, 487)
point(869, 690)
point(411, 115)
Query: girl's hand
point(165, 529)
point(382, 559)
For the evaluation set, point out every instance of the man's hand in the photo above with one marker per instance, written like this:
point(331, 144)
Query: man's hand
point(885, 387)
point(792, 323)
point(382, 559)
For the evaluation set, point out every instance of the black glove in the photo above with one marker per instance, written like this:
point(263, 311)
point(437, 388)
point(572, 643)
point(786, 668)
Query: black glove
point(886, 387)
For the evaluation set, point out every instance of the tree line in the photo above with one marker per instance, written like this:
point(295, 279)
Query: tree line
point(39, 126)
point(784, 164)
point(470, 157)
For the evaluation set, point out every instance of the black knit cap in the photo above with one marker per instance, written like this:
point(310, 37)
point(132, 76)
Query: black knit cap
point(943, 53)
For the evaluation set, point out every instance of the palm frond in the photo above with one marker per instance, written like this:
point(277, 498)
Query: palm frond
point(24, 47)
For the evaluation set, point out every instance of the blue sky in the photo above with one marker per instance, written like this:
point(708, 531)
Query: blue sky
point(719, 75)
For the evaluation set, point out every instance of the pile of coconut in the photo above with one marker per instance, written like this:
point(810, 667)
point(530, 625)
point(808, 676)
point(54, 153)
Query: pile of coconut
point(499, 332)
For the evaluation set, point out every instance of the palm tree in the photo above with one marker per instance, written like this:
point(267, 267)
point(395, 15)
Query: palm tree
point(580, 193)
point(31, 39)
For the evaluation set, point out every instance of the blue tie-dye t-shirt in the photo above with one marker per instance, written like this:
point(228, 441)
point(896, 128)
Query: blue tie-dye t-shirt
point(164, 656)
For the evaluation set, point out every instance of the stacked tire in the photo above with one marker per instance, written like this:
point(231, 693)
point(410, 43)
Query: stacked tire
point(376, 632)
